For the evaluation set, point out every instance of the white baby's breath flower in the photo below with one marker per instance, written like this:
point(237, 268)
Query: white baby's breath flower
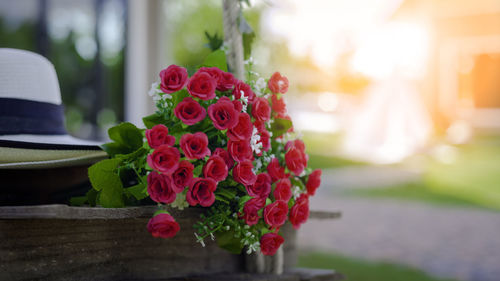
point(295, 192)
point(260, 84)
point(255, 141)
point(180, 201)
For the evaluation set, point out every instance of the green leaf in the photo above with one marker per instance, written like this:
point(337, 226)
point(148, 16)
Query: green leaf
point(92, 197)
point(178, 96)
point(227, 241)
point(127, 138)
point(104, 178)
point(221, 199)
point(197, 170)
point(225, 193)
point(280, 126)
point(138, 191)
point(242, 201)
point(214, 42)
point(151, 120)
point(161, 211)
point(216, 59)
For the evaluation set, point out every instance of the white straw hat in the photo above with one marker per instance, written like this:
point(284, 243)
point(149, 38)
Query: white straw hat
point(32, 133)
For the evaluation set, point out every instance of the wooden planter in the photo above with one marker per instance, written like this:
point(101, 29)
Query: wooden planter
point(57, 242)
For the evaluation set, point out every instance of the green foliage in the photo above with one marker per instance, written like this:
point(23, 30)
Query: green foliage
point(226, 240)
point(138, 191)
point(214, 41)
point(105, 179)
point(126, 137)
point(217, 59)
point(280, 126)
point(154, 119)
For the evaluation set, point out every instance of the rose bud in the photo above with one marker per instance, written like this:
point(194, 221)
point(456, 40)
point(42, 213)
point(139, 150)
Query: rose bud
point(158, 135)
point(163, 225)
point(215, 168)
point(270, 243)
point(190, 111)
point(195, 146)
point(275, 213)
point(202, 85)
point(262, 186)
point(283, 190)
point(160, 188)
point(201, 191)
point(278, 83)
point(173, 79)
point(164, 159)
point(243, 173)
point(182, 176)
point(223, 114)
point(300, 211)
point(313, 182)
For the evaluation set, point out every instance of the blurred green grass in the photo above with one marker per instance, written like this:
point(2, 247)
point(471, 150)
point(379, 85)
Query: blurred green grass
point(360, 270)
point(471, 179)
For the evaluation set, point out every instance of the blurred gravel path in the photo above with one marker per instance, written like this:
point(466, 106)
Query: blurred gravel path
point(453, 242)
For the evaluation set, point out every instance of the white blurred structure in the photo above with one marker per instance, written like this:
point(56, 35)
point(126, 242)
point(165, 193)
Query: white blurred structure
point(390, 125)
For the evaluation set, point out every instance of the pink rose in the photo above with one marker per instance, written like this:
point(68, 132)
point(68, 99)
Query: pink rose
point(201, 191)
point(278, 83)
point(275, 214)
point(242, 130)
point(261, 110)
point(202, 85)
point(270, 243)
point(296, 160)
point(173, 79)
point(313, 182)
point(195, 146)
point(240, 150)
point(283, 190)
point(158, 135)
point(241, 88)
point(251, 209)
point(225, 155)
point(164, 159)
point(275, 170)
point(160, 188)
point(190, 111)
point(223, 114)
point(163, 225)
point(265, 140)
point(182, 176)
point(300, 211)
point(226, 81)
point(278, 106)
point(215, 168)
point(243, 173)
point(262, 186)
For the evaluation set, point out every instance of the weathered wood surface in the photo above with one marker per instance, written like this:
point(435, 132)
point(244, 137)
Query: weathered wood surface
point(58, 242)
point(59, 211)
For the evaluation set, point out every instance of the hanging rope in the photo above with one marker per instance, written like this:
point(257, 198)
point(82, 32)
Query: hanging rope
point(232, 37)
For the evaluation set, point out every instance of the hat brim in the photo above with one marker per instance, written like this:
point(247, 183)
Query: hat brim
point(48, 152)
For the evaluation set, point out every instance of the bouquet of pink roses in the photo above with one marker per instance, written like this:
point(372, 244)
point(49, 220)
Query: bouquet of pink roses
point(217, 142)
